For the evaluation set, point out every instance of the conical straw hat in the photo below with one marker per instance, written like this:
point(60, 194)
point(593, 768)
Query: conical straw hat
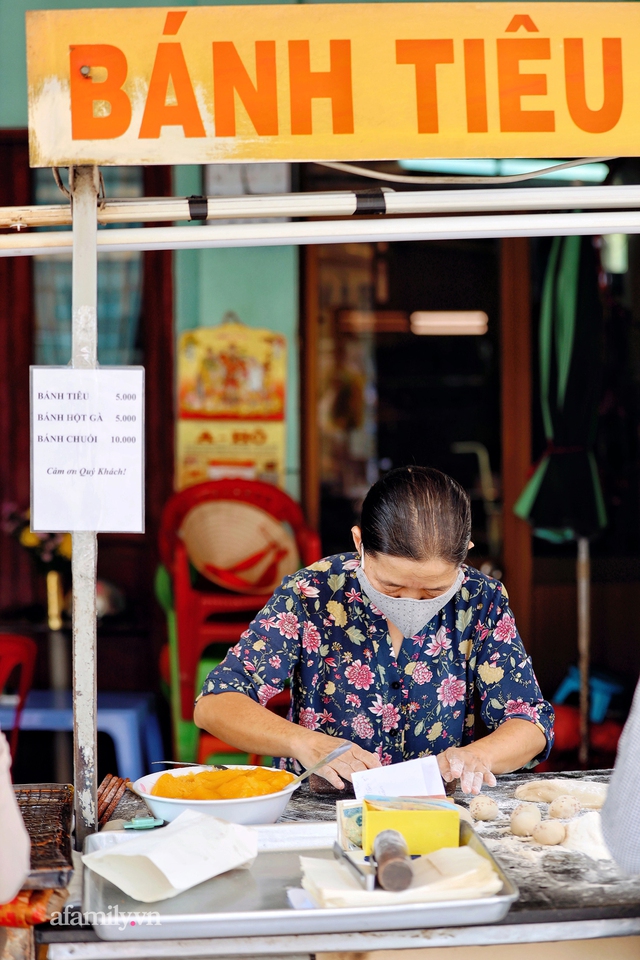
point(239, 546)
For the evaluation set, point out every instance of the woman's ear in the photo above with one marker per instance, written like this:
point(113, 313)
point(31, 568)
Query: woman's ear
point(356, 533)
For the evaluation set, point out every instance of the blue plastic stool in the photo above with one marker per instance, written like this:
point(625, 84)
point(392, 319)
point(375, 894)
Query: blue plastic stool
point(128, 718)
point(601, 689)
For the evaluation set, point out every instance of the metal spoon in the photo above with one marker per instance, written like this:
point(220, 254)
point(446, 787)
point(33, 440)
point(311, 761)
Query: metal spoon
point(321, 763)
point(303, 776)
point(187, 763)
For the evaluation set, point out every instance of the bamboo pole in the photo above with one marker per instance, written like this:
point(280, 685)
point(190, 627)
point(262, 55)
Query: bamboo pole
point(338, 203)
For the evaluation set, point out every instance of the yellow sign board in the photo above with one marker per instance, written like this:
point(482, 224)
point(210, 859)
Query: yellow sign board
point(342, 81)
point(215, 449)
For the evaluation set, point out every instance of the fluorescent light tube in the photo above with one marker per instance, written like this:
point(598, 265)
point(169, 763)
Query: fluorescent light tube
point(449, 322)
point(481, 167)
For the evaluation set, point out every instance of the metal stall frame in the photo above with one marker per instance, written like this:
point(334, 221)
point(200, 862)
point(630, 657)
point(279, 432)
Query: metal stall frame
point(84, 186)
point(403, 215)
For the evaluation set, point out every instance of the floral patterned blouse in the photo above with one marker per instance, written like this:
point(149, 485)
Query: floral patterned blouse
point(320, 630)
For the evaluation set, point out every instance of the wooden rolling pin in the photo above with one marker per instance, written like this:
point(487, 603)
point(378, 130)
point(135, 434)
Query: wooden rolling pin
point(394, 867)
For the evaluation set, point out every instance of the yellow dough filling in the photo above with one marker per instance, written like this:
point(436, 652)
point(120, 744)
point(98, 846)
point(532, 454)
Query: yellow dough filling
point(221, 784)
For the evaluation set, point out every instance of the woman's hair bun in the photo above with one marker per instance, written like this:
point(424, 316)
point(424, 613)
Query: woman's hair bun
point(417, 513)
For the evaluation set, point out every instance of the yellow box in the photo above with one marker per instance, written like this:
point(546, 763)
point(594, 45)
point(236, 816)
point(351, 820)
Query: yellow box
point(425, 829)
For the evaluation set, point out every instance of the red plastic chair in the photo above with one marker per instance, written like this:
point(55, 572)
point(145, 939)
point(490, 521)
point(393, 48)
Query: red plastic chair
point(17, 651)
point(195, 607)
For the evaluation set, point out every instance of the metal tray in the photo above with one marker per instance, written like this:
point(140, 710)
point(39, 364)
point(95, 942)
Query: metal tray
point(253, 901)
point(47, 810)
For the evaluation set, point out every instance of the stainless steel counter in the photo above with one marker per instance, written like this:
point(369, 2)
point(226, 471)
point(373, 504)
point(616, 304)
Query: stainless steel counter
point(564, 896)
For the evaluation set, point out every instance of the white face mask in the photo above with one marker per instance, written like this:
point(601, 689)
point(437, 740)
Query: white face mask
point(408, 615)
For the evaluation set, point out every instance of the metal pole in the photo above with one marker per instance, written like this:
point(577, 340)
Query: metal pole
point(84, 192)
point(387, 229)
point(583, 577)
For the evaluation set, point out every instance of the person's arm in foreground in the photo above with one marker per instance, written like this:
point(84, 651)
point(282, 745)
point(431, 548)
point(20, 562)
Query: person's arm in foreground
point(621, 812)
point(14, 840)
point(508, 748)
point(245, 724)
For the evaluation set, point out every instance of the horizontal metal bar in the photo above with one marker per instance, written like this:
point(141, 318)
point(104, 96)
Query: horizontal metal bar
point(512, 933)
point(336, 204)
point(331, 231)
point(523, 198)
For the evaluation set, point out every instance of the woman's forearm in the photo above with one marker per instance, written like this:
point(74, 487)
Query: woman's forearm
point(241, 722)
point(511, 746)
point(245, 724)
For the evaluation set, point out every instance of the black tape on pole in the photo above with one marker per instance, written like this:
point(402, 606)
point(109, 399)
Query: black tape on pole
point(198, 208)
point(370, 201)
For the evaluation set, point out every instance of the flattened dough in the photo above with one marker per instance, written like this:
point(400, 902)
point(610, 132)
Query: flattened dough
point(590, 793)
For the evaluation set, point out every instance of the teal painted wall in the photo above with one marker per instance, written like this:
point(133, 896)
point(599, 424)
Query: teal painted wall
point(260, 284)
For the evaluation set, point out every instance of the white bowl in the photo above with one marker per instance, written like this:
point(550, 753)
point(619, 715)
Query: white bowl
point(264, 809)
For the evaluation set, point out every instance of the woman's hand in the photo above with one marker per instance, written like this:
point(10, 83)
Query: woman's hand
point(508, 748)
point(313, 748)
point(468, 766)
point(241, 722)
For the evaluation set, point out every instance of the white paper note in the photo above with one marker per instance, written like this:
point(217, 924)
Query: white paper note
point(87, 449)
point(160, 864)
point(413, 778)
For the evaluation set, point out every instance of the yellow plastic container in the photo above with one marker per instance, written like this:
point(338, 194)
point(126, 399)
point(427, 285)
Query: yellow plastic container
point(424, 829)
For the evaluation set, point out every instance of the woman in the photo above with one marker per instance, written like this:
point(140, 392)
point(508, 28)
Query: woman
point(386, 648)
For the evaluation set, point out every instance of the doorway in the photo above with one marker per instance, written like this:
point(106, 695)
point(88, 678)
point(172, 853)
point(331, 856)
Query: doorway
point(388, 390)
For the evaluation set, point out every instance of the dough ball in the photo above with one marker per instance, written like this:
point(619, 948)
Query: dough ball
point(549, 832)
point(564, 808)
point(524, 820)
point(483, 808)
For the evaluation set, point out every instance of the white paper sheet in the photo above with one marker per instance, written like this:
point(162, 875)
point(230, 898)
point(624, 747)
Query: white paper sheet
point(161, 864)
point(452, 873)
point(413, 778)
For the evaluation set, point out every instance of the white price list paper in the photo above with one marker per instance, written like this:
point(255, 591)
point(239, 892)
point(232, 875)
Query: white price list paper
point(87, 449)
